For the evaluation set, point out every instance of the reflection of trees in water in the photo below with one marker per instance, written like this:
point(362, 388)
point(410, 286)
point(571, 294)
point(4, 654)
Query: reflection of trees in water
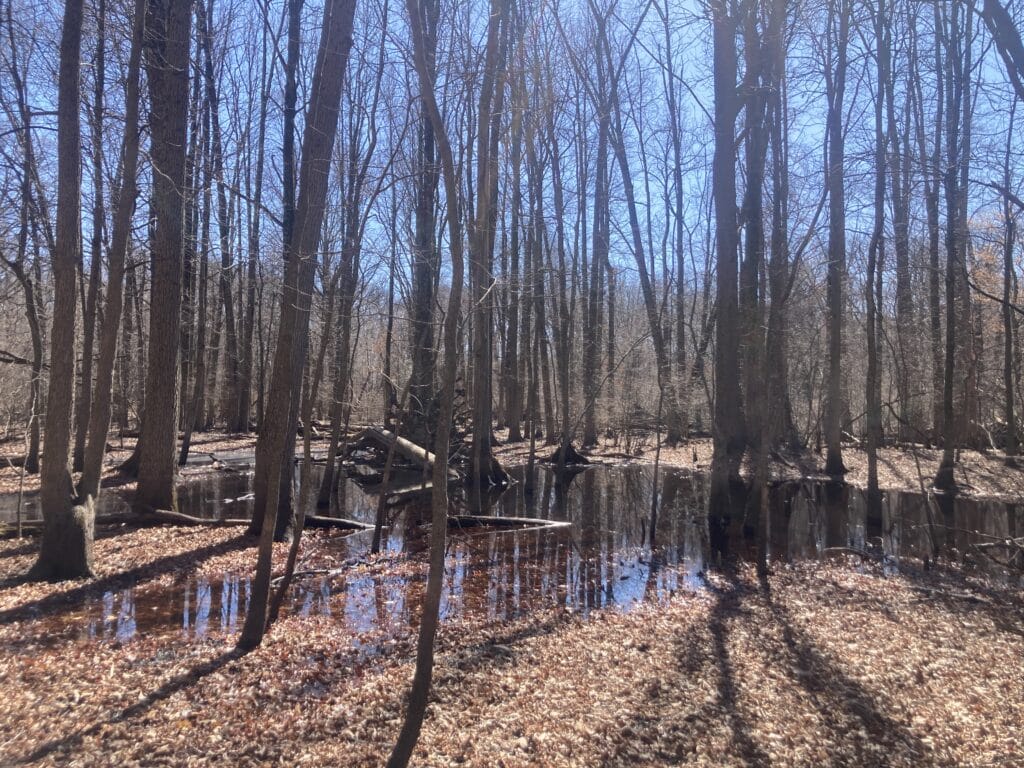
point(614, 552)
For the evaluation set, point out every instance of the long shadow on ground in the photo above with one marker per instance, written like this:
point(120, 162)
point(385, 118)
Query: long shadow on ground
point(671, 728)
point(174, 685)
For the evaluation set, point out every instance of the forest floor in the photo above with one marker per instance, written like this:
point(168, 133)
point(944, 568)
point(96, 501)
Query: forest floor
point(982, 475)
point(819, 664)
point(203, 444)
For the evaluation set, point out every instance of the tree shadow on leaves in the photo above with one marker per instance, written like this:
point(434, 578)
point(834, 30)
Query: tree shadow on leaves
point(669, 724)
point(176, 684)
point(847, 708)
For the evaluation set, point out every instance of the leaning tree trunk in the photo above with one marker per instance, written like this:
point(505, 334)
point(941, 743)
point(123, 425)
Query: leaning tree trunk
point(417, 705)
point(293, 328)
point(66, 548)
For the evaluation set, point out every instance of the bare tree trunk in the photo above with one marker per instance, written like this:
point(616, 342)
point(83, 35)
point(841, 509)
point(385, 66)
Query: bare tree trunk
point(931, 183)
point(24, 272)
point(425, 254)
point(283, 463)
point(417, 704)
point(835, 84)
point(83, 404)
point(124, 205)
point(900, 198)
point(245, 370)
point(66, 548)
point(956, 75)
point(728, 427)
point(511, 360)
point(678, 229)
point(1007, 39)
point(484, 468)
point(1012, 446)
point(876, 251)
point(277, 436)
point(167, 68)
point(779, 425)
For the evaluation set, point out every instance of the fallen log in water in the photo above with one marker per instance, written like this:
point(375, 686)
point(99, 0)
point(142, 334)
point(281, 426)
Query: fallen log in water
point(169, 517)
point(479, 521)
point(386, 440)
point(319, 521)
point(409, 492)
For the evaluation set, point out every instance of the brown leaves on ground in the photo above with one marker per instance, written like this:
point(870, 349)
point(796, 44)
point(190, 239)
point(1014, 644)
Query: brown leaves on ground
point(819, 665)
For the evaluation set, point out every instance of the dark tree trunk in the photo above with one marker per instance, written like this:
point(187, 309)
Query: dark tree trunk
point(835, 84)
point(66, 548)
point(167, 69)
point(277, 438)
point(419, 424)
point(728, 426)
point(83, 404)
point(124, 205)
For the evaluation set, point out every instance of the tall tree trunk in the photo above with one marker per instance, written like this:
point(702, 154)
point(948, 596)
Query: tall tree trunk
point(66, 548)
point(484, 468)
point(876, 250)
point(283, 463)
point(417, 703)
point(1012, 446)
point(168, 33)
point(956, 79)
point(277, 436)
point(511, 359)
point(124, 205)
point(425, 254)
point(779, 426)
point(728, 426)
point(835, 85)
point(83, 404)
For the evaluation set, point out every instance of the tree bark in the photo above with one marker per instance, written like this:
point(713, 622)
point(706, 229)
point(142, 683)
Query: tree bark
point(276, 437)
point(66, 548)
point(124, 205)
point(168, 37)
point(835, 84)
point(729, 440)
point(420, 691)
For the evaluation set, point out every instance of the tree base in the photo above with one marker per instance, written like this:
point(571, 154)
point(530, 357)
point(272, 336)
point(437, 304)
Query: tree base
point(944, 478)
point(568, 456)
point(66, 551)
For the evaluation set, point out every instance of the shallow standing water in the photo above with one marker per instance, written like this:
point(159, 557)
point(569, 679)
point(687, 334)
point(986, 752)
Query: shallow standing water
point(633, 535)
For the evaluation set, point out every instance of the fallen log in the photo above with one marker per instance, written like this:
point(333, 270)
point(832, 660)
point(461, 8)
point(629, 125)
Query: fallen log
point(319, 521)
point(409, 492)
point(385, 440)
point(478, 521)
point(168, 517)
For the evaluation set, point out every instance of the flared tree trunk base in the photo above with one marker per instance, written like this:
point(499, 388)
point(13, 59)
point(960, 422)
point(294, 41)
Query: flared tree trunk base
point(66, 551)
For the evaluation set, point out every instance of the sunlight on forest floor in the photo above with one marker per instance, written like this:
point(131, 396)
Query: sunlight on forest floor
point(824, 663)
